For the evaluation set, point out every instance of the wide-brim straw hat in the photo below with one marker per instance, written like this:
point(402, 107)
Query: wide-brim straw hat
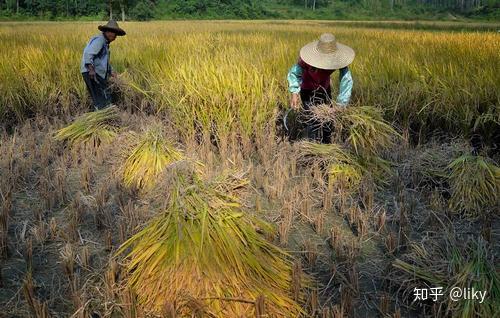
point(326, 53)
point(112, 26)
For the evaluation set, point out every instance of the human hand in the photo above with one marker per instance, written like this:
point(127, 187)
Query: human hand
point(295, 101)
point(92, 73)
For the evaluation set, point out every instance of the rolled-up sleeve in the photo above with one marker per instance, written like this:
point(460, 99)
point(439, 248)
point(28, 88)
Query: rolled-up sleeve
point(345, 87)
point(91, 50)
point(294, 78)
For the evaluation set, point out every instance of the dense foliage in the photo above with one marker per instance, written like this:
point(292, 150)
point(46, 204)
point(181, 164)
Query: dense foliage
point(249, 9)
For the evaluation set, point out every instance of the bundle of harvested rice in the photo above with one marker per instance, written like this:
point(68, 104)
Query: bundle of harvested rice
point(448, 265)
point(151, 154)
point(474, 183)
point(91, 128)
point(343, 169)
point(364, 127)
point(202, 255)
point(426, 165)
point(322, 153)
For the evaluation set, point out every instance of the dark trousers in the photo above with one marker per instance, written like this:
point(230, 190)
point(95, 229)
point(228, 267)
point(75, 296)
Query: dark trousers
point(99, 90)
point(315, 130)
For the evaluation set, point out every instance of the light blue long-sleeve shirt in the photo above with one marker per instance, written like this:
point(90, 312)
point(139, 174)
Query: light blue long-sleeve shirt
point(97, 53)
point(345, 79)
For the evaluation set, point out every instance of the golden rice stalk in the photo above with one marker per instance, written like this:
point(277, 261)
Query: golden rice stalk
point(366, 130)
point(326, 113)
point(347, 175)
point(203, 254)
point(474, 183)
point(152, 153)
point(322, 153)
point(93, 127)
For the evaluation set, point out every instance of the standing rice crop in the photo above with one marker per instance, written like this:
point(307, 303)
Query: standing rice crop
point(231, 75)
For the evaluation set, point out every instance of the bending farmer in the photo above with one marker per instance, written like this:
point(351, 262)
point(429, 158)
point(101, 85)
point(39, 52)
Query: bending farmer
point(309, 79)
point(95, 65)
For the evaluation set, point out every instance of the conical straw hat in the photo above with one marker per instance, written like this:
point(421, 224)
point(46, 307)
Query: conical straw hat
point(327, 53)
point(112, 26)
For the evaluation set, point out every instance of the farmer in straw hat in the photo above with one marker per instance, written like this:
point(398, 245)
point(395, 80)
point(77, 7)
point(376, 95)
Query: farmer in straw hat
point(95, 66)
point(309, 79)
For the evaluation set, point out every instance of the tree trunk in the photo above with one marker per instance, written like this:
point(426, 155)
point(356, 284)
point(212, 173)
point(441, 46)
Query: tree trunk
point(314, 4)
point(122, 7)
point(17, 7)
point(110, 10)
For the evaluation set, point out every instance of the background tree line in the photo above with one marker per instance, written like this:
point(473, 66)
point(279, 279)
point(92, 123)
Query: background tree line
point(150, 9)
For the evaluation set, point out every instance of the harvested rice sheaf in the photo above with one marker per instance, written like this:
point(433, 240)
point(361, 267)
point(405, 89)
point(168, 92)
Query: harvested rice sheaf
point(322, 153)
point(450, 265)
point(347, 174)
point(94, 127)
point(364, 127)
point(344, 169)
point(474, 183)
point(151, 154)
point(427, 165)
point(204, 249)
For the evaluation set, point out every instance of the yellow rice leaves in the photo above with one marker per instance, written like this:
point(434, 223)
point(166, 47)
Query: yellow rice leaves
point(93, 127)
point(366, 130)
point(204, 247)
point(152, 153)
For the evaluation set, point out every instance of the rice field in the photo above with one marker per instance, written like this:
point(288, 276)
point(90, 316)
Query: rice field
point(187, 199)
